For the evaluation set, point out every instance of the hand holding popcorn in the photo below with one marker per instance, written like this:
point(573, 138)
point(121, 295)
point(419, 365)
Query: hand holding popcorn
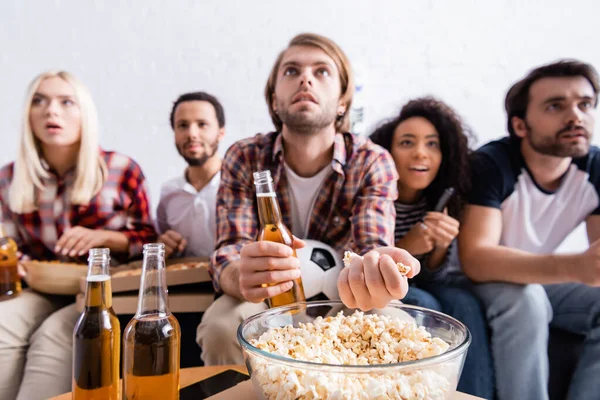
point(375, 279)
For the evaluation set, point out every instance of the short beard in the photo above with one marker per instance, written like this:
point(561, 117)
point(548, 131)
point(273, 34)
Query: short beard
point(200, 161)
point(305, 124)
point(551, 146)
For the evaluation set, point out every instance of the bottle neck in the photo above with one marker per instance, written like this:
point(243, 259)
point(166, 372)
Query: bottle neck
point(153, 288)
point(98, 292)
point(269, 212)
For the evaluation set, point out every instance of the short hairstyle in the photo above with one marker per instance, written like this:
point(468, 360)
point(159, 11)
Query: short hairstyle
point(199, 96)
point(517, 98)
point(342, 63)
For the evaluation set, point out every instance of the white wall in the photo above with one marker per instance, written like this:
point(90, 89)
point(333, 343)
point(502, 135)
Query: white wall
point(138, 56)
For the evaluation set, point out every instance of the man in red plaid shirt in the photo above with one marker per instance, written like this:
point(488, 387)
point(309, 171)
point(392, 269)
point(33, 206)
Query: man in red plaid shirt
point(62, 197)
point(332, 186)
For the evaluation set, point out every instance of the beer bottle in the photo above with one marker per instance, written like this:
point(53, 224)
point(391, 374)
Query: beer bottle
point(152, 339)
point(10, 282)
point(97, 336)
point(273, 230)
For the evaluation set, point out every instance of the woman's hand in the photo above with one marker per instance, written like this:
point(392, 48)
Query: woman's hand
point(77, 241)
point(442, 228)
point(417, 240)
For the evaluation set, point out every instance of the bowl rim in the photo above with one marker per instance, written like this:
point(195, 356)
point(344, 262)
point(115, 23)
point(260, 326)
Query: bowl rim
point(437, 359)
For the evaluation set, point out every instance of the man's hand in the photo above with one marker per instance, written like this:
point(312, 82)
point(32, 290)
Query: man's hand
point(174, 242)
point(442, 228)
point(374, 280)
point(77, 241)
point(588, 272)
point(268, 269)
point(417, 240)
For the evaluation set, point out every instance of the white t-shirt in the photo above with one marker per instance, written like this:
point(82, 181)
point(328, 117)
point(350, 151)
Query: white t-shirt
point(190, 212)
point(303, 192)
point(534, 219)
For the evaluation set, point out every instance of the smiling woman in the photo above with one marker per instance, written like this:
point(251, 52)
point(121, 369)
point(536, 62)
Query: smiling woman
point(60, 198)
point(429, 144)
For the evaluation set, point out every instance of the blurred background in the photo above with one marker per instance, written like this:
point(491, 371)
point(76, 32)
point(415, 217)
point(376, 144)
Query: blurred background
point(138, 56)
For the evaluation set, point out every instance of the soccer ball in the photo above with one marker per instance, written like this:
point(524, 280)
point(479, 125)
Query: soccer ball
point(320, 266)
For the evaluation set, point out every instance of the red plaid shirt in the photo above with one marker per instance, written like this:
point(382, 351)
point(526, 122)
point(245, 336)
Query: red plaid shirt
point(354, 209)
point(121, 205)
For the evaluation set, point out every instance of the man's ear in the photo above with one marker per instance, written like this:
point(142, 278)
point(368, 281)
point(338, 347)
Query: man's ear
point(519, 126)
point(221, 134)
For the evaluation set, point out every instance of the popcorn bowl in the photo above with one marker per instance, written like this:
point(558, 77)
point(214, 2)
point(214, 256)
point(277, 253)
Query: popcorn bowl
point(279, 376)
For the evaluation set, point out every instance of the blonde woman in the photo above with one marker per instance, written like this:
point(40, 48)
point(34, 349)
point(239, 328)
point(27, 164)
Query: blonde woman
point(62, 196)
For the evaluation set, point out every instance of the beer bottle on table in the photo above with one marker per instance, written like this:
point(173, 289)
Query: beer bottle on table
point(273, 230)
point(152, 339)
point(10, 282)
point(97, 336)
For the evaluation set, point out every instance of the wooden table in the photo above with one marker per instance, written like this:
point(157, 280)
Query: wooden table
point(187, 376)
point(190, 376)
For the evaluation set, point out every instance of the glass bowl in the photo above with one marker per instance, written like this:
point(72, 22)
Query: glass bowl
point(278, 377)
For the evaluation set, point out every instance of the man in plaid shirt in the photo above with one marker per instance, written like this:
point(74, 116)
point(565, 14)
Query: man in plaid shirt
point(332, 186)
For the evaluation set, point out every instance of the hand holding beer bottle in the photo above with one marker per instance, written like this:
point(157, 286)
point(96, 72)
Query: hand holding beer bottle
point(269, 268)
point(10, 281)
point(97, 336)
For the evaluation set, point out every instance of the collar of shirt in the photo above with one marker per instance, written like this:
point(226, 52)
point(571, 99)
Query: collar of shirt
point(53, 178)
point(338, 162)
point(339, 151)
point(182, 183)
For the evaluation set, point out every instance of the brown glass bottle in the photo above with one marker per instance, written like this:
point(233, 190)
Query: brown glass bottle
point(272, 229)
point(97, 336)
point(10, 282)
point(152, 339)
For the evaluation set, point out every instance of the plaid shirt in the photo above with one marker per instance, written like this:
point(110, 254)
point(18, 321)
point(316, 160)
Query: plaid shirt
point(121, 205)
point(354, 209)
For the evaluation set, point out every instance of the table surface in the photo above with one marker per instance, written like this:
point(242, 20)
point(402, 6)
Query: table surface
point(188, 376)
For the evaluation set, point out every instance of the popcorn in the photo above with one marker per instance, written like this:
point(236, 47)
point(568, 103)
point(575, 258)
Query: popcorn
point(348, 255)
point(357, 339)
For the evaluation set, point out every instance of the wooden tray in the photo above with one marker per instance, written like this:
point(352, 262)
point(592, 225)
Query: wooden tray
point(178, 302)
point(55, 277)
point(179, 271)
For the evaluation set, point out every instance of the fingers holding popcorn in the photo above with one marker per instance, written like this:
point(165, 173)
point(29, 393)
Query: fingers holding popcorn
point(377, 278)
point(404, 269)
point(401, 256)
point(396, 285)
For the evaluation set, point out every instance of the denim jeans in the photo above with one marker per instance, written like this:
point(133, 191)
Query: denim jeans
point(520, 317)
point(454, 296)
point(421, 298)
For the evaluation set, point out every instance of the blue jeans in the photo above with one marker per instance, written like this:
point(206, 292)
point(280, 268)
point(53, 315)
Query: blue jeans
point(421, 298)
point(520, 316)
point(454, 297)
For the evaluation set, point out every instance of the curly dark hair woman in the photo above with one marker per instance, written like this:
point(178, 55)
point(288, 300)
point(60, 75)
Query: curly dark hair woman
point(430, 146)
point(454, 137)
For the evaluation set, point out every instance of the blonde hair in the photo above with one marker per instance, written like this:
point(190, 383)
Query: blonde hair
point(342, 63)
point(91, 170)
